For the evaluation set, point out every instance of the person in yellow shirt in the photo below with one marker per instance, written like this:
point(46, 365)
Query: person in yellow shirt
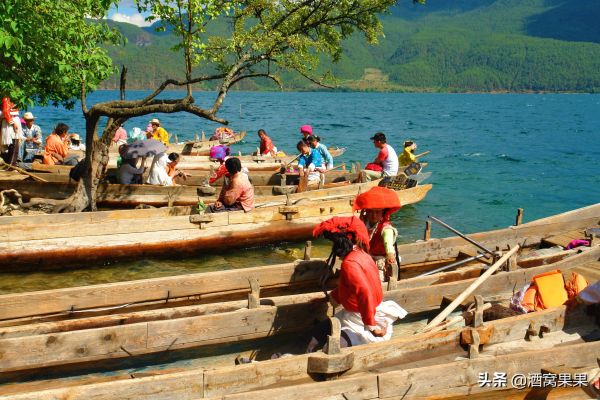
point(408, 157)
point(159, 132)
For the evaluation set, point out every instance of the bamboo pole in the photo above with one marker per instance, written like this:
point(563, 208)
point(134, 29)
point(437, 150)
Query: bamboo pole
point(452, 306)
point(22, 171)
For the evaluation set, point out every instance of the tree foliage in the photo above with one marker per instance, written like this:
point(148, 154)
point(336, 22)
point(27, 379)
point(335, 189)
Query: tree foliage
point(50, 50)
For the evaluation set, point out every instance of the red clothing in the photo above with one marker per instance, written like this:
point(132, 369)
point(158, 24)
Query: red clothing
point(221, 171)
point(382, 156)
point(377, 248)
point(359, 288)
point(7, 106)
point(266, 145)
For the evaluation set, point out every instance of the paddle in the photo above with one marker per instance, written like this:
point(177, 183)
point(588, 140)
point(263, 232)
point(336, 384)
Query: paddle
point(284, 168)
point(423, 154)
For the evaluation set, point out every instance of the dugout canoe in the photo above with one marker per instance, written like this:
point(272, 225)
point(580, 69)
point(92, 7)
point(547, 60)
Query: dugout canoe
point(24, 350)
point(105, 235)
point(131, 196)
point(541, 243)
point(259, 178)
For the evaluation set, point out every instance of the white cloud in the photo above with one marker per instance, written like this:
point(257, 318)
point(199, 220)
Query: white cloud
point(135, 19)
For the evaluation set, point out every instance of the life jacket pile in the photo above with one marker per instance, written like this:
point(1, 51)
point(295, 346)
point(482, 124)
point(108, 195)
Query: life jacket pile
point(547, 290)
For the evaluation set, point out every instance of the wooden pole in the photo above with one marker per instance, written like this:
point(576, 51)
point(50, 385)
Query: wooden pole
point(22, 171)
point(423, 154)
point(519, 220)
point(452, 306)
point(307, 250)
point(427, 233)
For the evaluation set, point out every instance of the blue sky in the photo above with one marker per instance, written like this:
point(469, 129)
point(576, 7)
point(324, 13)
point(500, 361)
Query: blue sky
point(127, 12)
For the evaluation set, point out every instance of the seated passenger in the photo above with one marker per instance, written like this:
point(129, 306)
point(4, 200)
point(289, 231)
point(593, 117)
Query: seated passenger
point(158, 171)
point(314, 142)
point(238, 193)
point(365, 317)
point(267, 148)
point(56, 147)
point(129, 173)
point(309, 163)
point(408, 157)
point(386, 163)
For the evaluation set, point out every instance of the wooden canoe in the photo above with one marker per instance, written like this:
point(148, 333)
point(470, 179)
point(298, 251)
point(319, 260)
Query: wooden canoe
point(25, 349)
point(130, 196)
point(419, 257)
point(106, 235)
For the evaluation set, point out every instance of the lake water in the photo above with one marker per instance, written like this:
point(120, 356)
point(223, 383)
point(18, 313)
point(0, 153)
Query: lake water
point(490, 154)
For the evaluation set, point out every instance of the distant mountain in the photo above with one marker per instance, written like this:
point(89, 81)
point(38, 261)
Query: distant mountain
point(446, 45)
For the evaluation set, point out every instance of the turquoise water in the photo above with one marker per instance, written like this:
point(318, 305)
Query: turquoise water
point(490, 154)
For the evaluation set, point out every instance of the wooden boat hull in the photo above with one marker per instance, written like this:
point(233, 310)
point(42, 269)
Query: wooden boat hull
point(102, 236)
point(130, 196)
point(79, 345)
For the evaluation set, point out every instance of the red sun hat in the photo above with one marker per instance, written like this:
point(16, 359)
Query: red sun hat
point(378, 197)
point(353, 227)
point(306, 129)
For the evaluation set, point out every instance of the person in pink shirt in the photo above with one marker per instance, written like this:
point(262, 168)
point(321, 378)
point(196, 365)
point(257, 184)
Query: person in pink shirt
point(238, 193)
point(120, 136)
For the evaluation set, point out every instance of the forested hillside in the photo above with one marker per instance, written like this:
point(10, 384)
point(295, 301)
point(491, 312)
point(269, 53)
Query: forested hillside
point(445, 45)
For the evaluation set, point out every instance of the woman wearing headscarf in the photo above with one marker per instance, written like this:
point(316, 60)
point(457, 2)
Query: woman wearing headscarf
point(377, 205)
point(364, 317)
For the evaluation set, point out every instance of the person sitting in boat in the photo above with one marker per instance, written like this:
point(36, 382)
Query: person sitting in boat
point(377, 205)
point(267, 148)
point(129, 173)
point(219, 154)
point(306, 131)
point(11, 131)
point(310, 163)
point(314, 142)
point(75, 141)
point(57, 150)
point(32, 135)
point(408, 156)
point(159, 133)
point(120, 136)
point(158, 171)
point(238, 193)
point(364, 317)
point(172, 169)
point(386, 163)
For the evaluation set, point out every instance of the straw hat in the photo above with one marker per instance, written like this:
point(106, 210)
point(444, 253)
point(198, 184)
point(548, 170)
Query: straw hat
point(28, 116)
point(75, 136)
point(155, 121)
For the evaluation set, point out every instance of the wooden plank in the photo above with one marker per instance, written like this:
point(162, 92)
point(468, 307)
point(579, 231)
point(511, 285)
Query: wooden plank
point(59, 300)
point(179, 386)
point(361, 387)
point(144, 338)
point(436, 381)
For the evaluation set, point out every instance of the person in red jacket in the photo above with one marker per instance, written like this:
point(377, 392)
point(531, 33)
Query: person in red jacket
point(10, 128)
point(364, 317)
point(377, 205)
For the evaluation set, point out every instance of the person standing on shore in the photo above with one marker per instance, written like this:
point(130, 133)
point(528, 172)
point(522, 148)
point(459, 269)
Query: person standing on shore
point(11, 131)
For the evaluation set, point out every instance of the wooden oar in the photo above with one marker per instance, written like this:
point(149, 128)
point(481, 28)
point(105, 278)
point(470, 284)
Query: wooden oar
point(22, 171)
point(423, 154)
point(284, 167)
point(470, 289)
